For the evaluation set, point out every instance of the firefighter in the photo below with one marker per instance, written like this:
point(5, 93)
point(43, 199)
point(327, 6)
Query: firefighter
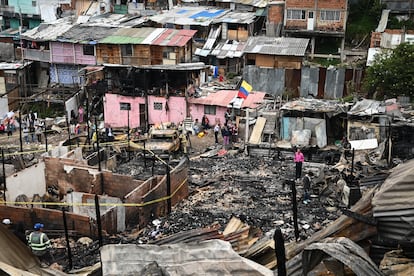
point(183, 142)
point(40, 244)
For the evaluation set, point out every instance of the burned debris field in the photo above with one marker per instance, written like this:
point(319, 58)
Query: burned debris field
point(257, 191)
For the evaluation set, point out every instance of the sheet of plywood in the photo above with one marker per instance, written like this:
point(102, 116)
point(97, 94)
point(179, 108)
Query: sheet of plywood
point(256, 136)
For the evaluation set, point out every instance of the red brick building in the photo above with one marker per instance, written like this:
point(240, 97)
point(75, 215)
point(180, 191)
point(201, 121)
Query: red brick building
point(314, 19)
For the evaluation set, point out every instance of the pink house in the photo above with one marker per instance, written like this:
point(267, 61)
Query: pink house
point(214, 106)
point(63, 52)
point(160, 110)
point(173, 109)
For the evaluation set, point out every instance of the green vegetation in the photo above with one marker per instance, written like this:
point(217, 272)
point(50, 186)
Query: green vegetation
point(363, 18)
point(325, 62)
point(393, 23)
point(44, 110)
point(392, 73)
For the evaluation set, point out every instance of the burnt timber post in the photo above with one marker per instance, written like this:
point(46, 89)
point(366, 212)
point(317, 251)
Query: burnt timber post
point(295, 209)
point(280, 252)
point(4, 176)
point(98, 219)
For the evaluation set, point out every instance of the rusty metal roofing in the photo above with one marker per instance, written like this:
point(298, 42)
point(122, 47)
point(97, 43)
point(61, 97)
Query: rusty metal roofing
point(150, 36)
point(172, 37)
point(279, 46)
point(228, 49)
point(225, 97)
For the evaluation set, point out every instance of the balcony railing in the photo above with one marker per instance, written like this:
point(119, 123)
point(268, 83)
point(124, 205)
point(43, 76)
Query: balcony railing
point(36, 55)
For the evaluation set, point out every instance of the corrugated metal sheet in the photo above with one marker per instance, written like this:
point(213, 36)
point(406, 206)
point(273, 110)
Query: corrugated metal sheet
point(81, 33)
point(343, 250)
point(254, 3)
point(47, 32)
point(212, 37)
point(236, 18)
point(393, 204)
point(281, 46)
point(383, 21)
point(150, 36)
point(309, 81)
point(397, 192)
point(228, 49)
point(170, 37)
point(200, 16)
point(128, 36)
point(266, 79)
point(366, 107)
point(315, 105)
point(334, 83)
point(225, 97)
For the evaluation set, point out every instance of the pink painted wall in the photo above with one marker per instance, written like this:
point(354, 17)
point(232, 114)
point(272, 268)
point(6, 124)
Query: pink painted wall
point(70, 53)
point(119, 118)
point(197, 112)
point(176, 110)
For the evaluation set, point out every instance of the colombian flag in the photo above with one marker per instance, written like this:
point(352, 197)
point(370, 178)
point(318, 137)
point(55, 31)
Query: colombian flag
point(244, 90)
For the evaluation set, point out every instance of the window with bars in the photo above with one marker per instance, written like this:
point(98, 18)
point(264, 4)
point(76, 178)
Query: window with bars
point(330, 15)
point(157, 106)
point(296, 14)
point(210, 109)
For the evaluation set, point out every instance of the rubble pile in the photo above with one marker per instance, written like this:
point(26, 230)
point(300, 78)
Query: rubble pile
point(254, 190)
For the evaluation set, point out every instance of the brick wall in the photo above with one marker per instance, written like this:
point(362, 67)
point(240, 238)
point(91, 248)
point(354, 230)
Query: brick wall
point(275, 13)
point(309, 5)
point(52, 219)
point(375, 40)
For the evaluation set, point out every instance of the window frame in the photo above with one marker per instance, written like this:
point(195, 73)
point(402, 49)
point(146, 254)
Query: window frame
point(127, 50)
point(291, 12)
point(323, 14)
point(210, 109)
point(157, 105)
point(87, 48)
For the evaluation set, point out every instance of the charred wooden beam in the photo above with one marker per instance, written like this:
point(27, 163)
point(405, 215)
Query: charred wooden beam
point(366, 219)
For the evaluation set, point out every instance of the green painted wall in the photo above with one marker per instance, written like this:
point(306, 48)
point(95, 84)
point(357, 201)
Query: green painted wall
point(26, 6)
point(33, 23)
point(14, 23)
point(121, 9)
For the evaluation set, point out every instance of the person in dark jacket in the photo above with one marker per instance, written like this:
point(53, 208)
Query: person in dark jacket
point(306, 188)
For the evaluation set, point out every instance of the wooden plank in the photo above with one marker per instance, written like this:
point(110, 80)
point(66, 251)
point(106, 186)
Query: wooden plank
point(256, 136)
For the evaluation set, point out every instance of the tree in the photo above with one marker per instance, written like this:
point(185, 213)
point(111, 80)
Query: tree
point(392, 73)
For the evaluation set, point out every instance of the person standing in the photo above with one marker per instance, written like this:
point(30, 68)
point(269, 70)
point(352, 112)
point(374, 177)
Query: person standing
point(26, 134)
point(299, 159)
point(39, 243)
point(183, 141)
point(227, 116)
point(226, 135)
point(306, 188)
point(205, 123)
point(216, 131)
point(80, 114)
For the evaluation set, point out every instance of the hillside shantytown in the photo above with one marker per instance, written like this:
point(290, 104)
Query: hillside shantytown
point(225, 137)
